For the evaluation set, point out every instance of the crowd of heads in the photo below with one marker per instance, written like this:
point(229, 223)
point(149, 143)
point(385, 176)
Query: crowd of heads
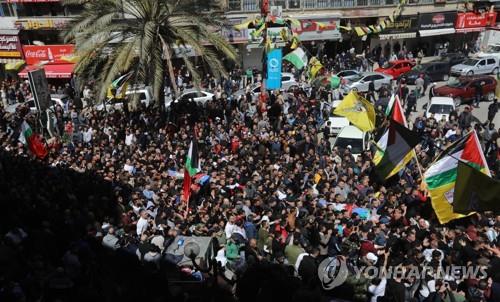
point(272, 191)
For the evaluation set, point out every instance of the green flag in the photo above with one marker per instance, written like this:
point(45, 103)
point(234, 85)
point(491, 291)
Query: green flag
point(475, 191)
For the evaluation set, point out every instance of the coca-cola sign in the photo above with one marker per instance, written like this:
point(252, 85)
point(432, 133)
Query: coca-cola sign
point(9, 46)
point(52, 54)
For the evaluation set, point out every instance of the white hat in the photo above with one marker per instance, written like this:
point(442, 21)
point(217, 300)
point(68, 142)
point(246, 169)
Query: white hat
point(372, 257)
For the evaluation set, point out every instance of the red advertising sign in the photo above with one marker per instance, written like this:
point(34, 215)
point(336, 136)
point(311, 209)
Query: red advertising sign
point(10, 46)
point(318, 29)
point(34, 54)
point(474, 20)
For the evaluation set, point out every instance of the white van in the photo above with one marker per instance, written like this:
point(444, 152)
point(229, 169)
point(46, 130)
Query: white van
point(145, 94)
point(440, 107)
point(353, 138)
point(336, 122)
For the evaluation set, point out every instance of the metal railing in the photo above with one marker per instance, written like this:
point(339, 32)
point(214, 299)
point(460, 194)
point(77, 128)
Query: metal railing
point(253, 5)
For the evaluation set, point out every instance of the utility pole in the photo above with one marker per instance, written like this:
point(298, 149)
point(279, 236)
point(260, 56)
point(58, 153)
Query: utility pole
point(264, 11)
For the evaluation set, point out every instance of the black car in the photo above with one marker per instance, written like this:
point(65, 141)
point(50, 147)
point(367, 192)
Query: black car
point(433, 71)
point(453, 58)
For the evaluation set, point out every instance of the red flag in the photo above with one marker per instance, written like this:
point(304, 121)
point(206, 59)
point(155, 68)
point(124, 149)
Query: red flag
point(37, 147)
point(186, 186)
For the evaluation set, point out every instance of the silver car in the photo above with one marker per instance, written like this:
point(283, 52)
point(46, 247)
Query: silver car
point(472, 66)
point(362, 82)
point(349, 74)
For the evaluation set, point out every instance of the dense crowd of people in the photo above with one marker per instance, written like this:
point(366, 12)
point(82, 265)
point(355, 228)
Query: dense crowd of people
point(275, 195)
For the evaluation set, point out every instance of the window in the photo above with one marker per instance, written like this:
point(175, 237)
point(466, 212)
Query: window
point(6, 9)
point(285, 79)
point(491, 61)
point(398, 66)
point(377, 77)
point(482, 63)
point(368, 78)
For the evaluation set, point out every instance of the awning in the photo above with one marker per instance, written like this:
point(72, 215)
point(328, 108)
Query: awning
point(436, 32)
point(398, 36)
point(10, 60)
point(470, 30)
point(54, 71)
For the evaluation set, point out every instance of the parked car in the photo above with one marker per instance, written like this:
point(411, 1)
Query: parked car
point(463, 89)
point(336, 122)
point(491, 50)
point(440, 107)
point(349, 74)
point(362, 82)
point(143, 93)
point(56, 100)
point(353, 138)
point(396, 68)
point(433, 71)
point(288, 83)
point(453, 58)
point(199, 96)
point(472, 66)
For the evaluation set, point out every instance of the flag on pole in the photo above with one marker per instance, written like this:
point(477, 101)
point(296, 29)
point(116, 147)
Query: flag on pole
point(395, 145)
point(358, 111)
point(297, 57)
point(475, 191)
point(32, 140)
point(314, 67)
point(118, 87)
point(395, 111)
point(442, 174)
point(191, 167)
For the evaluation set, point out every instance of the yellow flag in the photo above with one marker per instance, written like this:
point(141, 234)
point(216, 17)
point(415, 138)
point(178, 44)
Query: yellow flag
point(358, 111)
point(314, 67)
point(359, 31)
point(243, 25)
point(295, 42)
point(346, 28)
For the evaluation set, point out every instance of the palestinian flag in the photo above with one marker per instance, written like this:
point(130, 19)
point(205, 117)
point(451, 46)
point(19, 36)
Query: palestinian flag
point(395, 111)
point(32, 140)
point(442, 175)
point(395, 144)
point(118, 87)
point(297, 57)
point(475, 191)
point(191, 167)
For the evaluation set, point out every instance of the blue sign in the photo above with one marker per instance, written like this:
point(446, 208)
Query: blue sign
point(274, 63)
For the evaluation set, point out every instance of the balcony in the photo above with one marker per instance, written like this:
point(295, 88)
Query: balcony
point(253, 5)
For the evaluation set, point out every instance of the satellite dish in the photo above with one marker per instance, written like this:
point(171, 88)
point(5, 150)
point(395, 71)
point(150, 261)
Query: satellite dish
point(191, 250)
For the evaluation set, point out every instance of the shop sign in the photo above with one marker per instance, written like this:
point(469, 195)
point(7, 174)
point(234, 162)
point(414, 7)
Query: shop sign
point(34, 24)
point(472, 20)
point(318, 29)
point(9, 46)
point(437, 20)
point(403, 24)
point(34, 54)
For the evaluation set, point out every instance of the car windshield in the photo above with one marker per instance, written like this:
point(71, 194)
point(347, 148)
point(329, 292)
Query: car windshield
point(440, 109)
point(469, 62)
point(355, 143)
point(388, 65)
point(457, 84)
point(356, 78)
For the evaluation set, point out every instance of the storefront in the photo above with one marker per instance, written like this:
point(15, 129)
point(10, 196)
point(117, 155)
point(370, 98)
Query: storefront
point(315, 34)
point(57, 60)
point(401, 33)
point(11, 58)
point(471, 24)
point(436, 32)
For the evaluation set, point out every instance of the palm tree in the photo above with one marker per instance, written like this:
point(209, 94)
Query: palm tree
point(117, 36)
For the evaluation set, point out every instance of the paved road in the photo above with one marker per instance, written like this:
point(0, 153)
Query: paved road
point(481, 113)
